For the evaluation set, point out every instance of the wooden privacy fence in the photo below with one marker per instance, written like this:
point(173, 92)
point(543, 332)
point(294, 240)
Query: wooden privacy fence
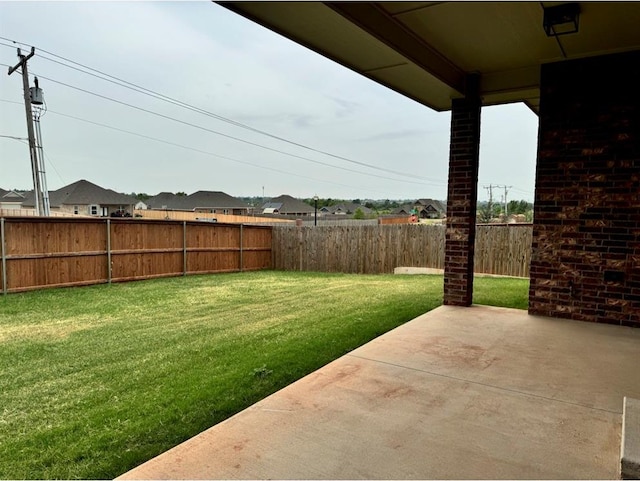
point(53, 252)
point(223, 218)
point(501, 249)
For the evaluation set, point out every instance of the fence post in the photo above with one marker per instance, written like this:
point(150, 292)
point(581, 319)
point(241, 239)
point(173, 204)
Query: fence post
point(109, 251)
point(4, 258)
point(184, 247)
point(299, 229)
point(241, 248)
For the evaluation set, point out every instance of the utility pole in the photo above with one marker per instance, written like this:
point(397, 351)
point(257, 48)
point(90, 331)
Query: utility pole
point(490, 189)
point(37, 101)
point(504, 198)
point(506, 191)
point(35, 170)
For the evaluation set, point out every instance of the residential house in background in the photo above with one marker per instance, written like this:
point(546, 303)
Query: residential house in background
point(430, 209)
point(403, 210)
point(11, 200)
point(347, 209)
point(164, 201)
point(271, 208)
point(85, 198)
point(425, 208)
point(216, 203)
point(212, 202)
point(287, 205)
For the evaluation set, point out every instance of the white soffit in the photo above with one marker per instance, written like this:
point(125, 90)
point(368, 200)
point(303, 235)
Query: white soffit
point(424, 50)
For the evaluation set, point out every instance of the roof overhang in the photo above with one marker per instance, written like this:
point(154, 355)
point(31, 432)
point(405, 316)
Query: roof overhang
point(426, 50)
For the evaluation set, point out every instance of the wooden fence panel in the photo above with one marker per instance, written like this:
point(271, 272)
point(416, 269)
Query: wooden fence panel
point(142, 250)
point(32, 213)
point(213, 250)
point(358, 249)
point(257, 260)
point(46, 252)
point(256, 248)
point(34, 273)
point(222, 218)
point(36, 236)
point(502, 249)
point(145, 265)
point(128, 236)
point(202, 236)
point(54, 253)
point(201, 262)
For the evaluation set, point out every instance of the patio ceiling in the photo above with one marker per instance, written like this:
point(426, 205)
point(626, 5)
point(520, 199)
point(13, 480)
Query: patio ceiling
point(425, 50)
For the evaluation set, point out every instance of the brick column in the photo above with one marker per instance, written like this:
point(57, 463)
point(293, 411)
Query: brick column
point(462, 197)
point(585, 262)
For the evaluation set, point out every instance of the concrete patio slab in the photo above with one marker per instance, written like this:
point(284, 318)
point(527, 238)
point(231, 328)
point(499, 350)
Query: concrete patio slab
point(458, 393)
point(630, 447)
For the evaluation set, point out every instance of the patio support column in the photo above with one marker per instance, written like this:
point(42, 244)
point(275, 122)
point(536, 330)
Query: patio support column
point(462, 196)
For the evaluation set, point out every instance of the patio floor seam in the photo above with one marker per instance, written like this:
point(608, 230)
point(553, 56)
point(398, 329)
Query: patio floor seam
point(514, 391)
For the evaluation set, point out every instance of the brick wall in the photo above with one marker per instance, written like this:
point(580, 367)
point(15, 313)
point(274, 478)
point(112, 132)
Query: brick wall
point(586, 236)
point(461, 201)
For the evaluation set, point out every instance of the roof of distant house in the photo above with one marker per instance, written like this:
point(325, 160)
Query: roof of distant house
point(403, 209)
point(435, 203)
point(272, 205)
point(11, 195)
point(202, 199)
point(290, 205)
point(347, 208)
point(164, 200)
point(83, 192)
point(214, 199)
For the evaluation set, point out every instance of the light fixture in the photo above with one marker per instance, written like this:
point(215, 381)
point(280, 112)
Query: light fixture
point(561, 19)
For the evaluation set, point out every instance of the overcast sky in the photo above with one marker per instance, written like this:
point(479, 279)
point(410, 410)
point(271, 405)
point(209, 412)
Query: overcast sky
point(204, 55)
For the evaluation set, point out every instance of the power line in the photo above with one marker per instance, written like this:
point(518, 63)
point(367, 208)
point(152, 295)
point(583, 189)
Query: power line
point(194, 149)
point(226, 135)
point(165, 98)
point(11, 136)
point(24, 140)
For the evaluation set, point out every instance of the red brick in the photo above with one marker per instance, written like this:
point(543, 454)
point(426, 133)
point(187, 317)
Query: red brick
point(587, 205)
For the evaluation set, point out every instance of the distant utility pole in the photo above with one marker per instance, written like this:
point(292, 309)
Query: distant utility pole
point(506, 191)
point(490, 189)
point(35, 170)
point(504, 197)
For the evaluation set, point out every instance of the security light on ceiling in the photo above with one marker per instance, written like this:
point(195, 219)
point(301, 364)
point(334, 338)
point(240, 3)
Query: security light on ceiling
point(561, 19)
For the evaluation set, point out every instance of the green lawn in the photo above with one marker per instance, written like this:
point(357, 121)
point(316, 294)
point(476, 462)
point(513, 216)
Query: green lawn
point(96, 380)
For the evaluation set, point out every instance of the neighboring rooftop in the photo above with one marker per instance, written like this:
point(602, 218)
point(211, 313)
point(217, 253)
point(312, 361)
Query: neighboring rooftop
point(347, 208)
point(164, 200)
point(83, 192)
point(438, 205)
point(202, 199)
point(289, 206)
point(11, 195)
point(217, 199)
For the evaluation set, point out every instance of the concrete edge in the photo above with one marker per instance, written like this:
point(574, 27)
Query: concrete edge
point(433, 270)
point(630, 442)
